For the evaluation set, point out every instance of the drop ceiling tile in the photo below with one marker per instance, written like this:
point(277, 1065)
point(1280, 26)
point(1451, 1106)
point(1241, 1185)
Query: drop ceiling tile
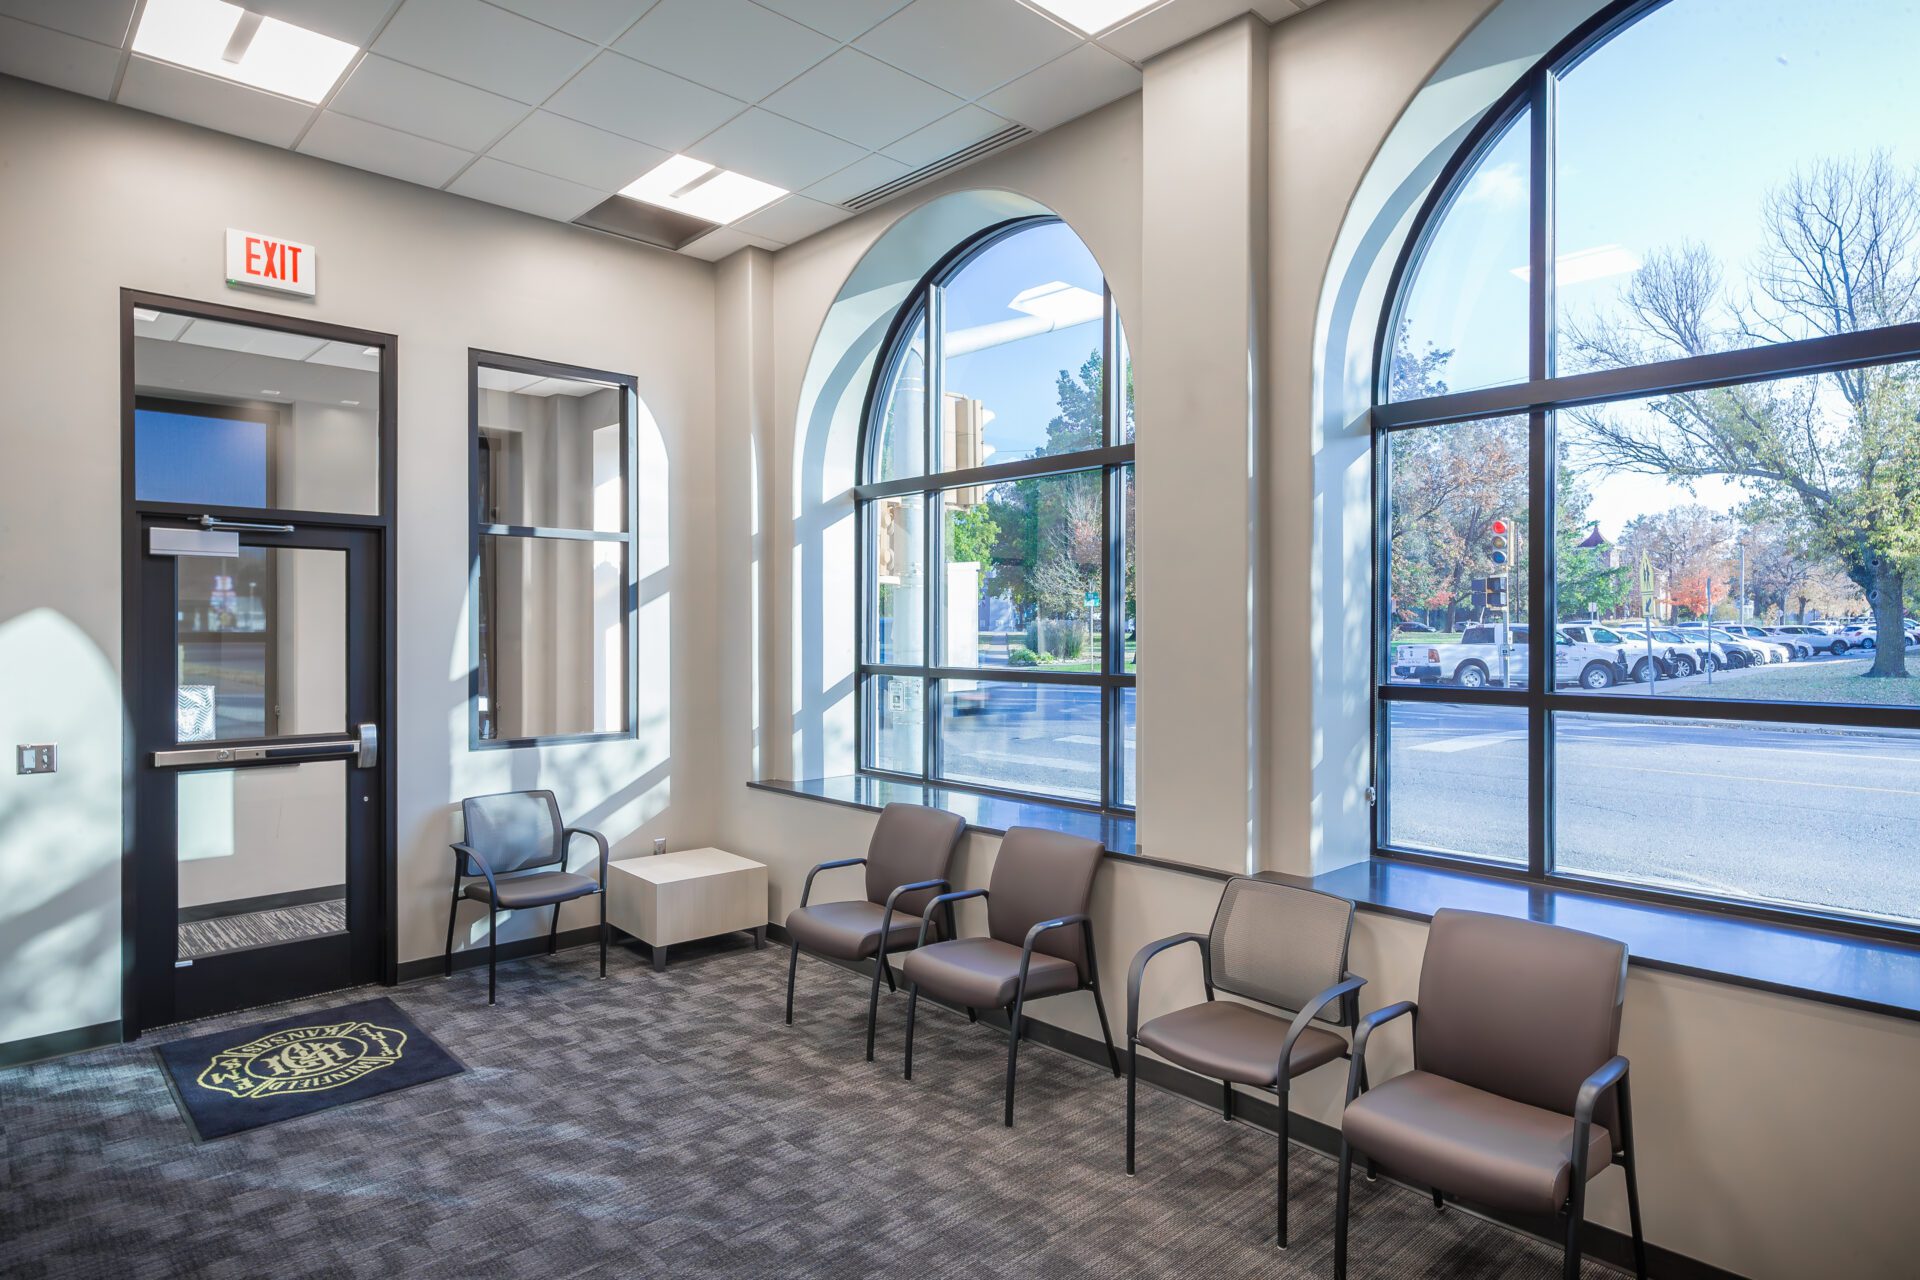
point(943, 137)
point(483, 46)
point(724, 242)
point(164, 327)
point(272, 343)
point(1158, 30)
point(378, 149)
point(862, 175)
point(1274, 10)
point(56, 58)
point(643, 103)
point(102, 21)
point(354, 21)
point(734, 46)
point(1067, 87)
point(595, 20)
point(212, 103)
point(492, 379)
point(861, 99)
point(415, 101)
point(792, 219)
point(774, 149)
point(841, 19)
point(346, 355)
point(967, 48)
point(498, 182)
point(577, 152)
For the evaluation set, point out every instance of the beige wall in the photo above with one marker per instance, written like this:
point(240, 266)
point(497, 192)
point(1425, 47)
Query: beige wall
point(1772, 1128)
point(95, 198)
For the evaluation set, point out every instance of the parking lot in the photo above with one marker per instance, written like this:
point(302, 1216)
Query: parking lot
point(1818, 817)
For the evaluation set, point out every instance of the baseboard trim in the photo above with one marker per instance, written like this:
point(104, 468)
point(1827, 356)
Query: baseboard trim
point(17, 1053)
point(265, 902)
point(1599, 1242)
point(518, 949)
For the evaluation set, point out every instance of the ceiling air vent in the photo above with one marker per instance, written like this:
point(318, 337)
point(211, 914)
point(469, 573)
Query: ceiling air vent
point(946, 164)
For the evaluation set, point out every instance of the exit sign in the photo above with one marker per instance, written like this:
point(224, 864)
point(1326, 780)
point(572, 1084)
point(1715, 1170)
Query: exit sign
point(268, 262)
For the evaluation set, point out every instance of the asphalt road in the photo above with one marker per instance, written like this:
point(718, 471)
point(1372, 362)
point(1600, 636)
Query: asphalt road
point(1823, 818)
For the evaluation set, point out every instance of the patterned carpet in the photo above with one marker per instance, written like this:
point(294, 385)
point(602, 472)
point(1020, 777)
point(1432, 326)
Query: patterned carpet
point(256, 928)
point(669, 1125)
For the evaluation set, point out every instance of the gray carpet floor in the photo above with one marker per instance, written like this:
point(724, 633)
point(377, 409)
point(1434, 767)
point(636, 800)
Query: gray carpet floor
point(258, 928)
point(670, 1125)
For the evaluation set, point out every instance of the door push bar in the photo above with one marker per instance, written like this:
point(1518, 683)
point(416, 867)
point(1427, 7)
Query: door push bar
point(243, 526)
point(363, 749)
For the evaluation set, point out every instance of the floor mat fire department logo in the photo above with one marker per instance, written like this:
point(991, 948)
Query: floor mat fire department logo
point(301, 1060)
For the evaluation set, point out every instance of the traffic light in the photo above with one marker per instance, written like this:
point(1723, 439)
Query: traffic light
point(1500, 544)
point(1497, 592)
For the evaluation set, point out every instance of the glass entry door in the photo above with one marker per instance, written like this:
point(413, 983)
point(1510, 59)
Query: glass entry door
point(256, 729)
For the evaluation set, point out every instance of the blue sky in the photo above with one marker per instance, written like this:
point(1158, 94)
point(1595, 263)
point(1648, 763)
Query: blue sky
point(1672, 132)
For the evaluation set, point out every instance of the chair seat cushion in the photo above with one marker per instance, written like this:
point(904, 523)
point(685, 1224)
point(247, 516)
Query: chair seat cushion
point(850, 930)
point(983, 972)
point(1480, 1146)
point(1230, 1041)
point(534, 889)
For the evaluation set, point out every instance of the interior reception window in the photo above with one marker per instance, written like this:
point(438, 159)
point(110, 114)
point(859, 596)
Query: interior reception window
point(553, 591)
point(1648, 552)
point(999, 645)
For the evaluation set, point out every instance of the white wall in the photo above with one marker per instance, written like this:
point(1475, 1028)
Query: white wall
point(1772, 1129)
point(95, 198)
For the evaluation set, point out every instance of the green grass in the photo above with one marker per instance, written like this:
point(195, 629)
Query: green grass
point(1835, 681)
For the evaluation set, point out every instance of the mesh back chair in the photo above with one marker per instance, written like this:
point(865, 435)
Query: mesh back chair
point(1274, 943)
point(1039, 939)
point(907, 861)
point(1518, 1095)
point(509, 838)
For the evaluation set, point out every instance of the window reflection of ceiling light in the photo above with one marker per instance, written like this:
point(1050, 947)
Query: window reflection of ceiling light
point(1585, 265)
point(1094, 16)
point(351, 404)
point(145, 316)
point(369, 351)
point(1064, 304)
point(225, 40)
point(268, 392)
point(701, 190)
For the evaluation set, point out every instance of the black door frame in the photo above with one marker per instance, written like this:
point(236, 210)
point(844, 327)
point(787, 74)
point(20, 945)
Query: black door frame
point(137, 663)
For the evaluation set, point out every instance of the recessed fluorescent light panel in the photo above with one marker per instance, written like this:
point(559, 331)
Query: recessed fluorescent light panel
point(1095, 16)
point(701, 190)
point(228, 41)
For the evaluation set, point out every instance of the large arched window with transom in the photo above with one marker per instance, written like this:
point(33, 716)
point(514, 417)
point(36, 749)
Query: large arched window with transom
point(997, 633)
point(1648, 460)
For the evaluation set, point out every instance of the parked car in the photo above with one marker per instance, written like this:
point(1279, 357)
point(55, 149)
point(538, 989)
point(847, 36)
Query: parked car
point(1777, 650)
point(1642, 668)
point(1483, 657)
point(1804, 638)
point(1737, 651)
point(1675, 655)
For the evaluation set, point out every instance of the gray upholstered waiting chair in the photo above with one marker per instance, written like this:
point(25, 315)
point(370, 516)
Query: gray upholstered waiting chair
point(1280, 945)
point(509, 837)
point(907, 859)
point(1517, 1095)
point(1039, 939)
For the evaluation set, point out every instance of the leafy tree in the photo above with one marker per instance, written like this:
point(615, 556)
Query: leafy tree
point(1688, 544)
point(971, 534)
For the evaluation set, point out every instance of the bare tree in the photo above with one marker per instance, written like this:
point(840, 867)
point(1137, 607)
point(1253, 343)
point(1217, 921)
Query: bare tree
point(1841, 451)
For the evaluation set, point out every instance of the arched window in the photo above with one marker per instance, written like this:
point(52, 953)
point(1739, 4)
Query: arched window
point(1650, 373)
point(997, 632)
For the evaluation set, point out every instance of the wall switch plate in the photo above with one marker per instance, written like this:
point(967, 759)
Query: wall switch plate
point(659, 845)
point(41, 757)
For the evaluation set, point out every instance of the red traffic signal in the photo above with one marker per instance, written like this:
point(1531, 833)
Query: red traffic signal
point(1499, 526)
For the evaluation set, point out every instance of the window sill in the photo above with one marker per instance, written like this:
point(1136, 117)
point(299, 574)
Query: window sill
point(991, 815)
point(1858, 972)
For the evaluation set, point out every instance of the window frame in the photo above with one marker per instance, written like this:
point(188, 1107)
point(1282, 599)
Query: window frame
point(1111, 461)
point(481, 528)
point(1537, 398)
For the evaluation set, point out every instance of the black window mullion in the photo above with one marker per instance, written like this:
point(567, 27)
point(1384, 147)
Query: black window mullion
point(933, 642)
point(1542, 609)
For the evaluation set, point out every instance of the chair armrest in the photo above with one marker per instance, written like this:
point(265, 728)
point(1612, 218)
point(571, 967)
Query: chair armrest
point(926, 916)
point(1305, 1017)
point(598, 839)
point(1379, 1017)
point(1611, 1073)
point(1033, 936)
point(886, 918)
point(806, 889)
point(461, 854)
point(1144, 955)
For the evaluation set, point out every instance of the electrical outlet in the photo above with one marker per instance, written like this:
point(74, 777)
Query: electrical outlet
point(41, 757)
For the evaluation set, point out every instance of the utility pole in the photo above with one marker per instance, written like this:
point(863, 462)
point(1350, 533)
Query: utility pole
point(1742, 605)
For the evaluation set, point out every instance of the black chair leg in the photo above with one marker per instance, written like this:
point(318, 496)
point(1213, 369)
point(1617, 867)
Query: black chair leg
point(873, 1002)
point(1576, 1207)
point(1633, 1182)
point(1013, 1051)
point(793, 964)
point(452, 912)
point(493, 932)
point(1343, 1179)
point(1133, 1071)
point(973, 1015)
point(1226, 1100)
point(1372, 1173)
point(913, 1004)
point(1280, 1211)
point(553, 931)
point(888, 970)
point(1113, 1058)
point(1438, 1201)
point(603, 932)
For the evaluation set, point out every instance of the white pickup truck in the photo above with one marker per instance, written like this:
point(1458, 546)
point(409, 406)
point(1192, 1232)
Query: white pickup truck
point(1480, 659)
